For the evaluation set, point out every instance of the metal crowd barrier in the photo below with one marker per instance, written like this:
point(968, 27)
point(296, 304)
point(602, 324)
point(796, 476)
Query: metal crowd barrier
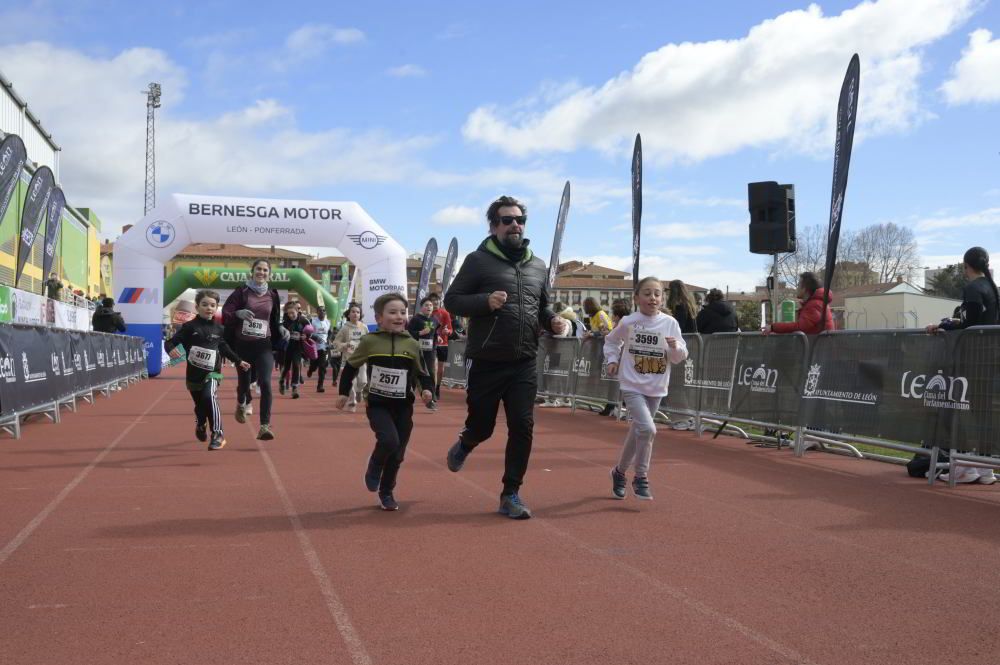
point(896, 389)
point(43, 370)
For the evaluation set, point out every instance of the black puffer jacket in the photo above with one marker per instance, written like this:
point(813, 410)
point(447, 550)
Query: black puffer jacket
point(716, 317)
point(107, 320)
point(511, 332)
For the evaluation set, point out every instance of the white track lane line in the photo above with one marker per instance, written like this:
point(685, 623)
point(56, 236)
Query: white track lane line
point(19, 539)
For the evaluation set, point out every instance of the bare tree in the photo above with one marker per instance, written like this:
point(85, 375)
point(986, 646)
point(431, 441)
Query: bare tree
point(809, 255)
point(892, 251)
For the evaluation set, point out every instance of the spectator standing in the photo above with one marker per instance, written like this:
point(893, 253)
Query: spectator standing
point(681, 306)
point(53, 287)
point(810, 317)
point(106, 319)
point(717, 315)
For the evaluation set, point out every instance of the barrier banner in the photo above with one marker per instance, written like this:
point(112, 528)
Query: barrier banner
point(592, 380)
point(64, 315)
point(715, 370)
point(973, 391)
point(892, 385)
point(556, 360)
point(767, 383)
point(27, 308)
point(454, 371)
point(29, 367)
point(683, 393)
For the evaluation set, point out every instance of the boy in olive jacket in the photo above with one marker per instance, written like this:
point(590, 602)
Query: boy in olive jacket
point(395, 367)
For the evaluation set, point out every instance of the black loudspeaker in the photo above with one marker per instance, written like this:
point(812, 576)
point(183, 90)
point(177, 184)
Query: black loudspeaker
point(772, 217)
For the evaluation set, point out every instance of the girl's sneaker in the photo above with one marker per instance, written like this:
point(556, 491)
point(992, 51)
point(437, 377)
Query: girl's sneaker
point(217, 443)
point(618, 482)
point(640, 487)
point(386, 501)
point(200, 432)
point(265, 433)
point(248, 409)
point(986, 476)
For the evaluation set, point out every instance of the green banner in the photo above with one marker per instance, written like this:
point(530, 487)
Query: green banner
point(326, 280)
point(345, 285)
point(6, 313)
point(786, 311)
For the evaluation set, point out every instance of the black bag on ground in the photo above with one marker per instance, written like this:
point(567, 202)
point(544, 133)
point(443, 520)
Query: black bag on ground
point(920, 465)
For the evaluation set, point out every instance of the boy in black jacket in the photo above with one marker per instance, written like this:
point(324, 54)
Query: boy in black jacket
point(395, 368)
point(202, 339)
point(423, 328)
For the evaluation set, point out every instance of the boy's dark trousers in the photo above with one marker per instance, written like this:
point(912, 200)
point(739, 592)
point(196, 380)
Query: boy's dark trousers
point(320, 363)
point(392, 423)
point(516, 383)
point(206, 406)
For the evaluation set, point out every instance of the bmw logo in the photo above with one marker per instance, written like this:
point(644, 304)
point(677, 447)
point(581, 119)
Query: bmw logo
point(160, 234)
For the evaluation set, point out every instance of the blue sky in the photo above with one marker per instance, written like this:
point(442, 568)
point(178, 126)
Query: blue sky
point(424, 112)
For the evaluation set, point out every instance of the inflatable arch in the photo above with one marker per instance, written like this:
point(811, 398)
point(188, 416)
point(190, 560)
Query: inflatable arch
point(182, 219)
point(211, 277)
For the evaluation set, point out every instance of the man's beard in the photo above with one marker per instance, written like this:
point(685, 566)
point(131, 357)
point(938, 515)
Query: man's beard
point(512, 243)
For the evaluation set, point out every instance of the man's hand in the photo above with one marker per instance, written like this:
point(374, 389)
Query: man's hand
point(340, 402)
point(244, 366)
point(497, 299)
point(559, 325)
point(244, 314)
point(612, 369)
point(427, 396)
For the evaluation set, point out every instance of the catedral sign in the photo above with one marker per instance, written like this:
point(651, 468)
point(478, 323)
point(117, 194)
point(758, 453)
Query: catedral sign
point(182, 219)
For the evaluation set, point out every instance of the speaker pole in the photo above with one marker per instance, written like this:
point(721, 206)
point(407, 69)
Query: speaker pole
point(774, 288)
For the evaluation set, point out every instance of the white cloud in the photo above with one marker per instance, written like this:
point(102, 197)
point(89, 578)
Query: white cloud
point(407, 71)
point(989, 217)
point(693, 230)
point(776, 87)
point(458, 216)
point(312, 40)
point(93, 108)
point(675, 265)
point(974, 76)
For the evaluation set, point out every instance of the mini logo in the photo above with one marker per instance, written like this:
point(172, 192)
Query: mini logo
point(367, 239)
point(812, 379)
point(688, 372)
point(206, 277)
point(160, 234)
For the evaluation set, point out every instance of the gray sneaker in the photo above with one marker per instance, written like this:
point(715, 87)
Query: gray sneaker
point(456, 457)
point(241, 414)
point(618, 482)
point(511, 506)
point(640, 487)
point(265, 433)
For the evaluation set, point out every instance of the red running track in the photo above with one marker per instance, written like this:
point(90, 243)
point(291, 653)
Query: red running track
point(124, 541)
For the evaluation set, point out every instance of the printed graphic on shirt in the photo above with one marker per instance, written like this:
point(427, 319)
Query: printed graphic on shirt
point(202, 358)
point(648, 349)
point(388, 382)
point(255, 328)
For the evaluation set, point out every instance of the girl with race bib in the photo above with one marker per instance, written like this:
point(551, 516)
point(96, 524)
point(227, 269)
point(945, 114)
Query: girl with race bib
point(395, 367)
point(640, 350)
point(347, 340)
point(423, 328)
point(252, 317)
point(202, 338)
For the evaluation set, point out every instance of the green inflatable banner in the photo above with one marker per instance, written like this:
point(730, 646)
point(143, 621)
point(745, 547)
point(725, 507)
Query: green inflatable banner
point(290, 279)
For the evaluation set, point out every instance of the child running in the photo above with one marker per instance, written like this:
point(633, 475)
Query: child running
point(423, 328)
point(202, 338)
point(395, 367)
point(651, 339)
point(346, 342)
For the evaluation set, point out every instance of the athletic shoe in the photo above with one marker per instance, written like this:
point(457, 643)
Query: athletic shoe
point(386, 501)
point(200, 432)
point(607, 410)
point(352, 408)
point(964, 474)
point(217, 442)
point(432, 406)
point(295, 393)
point(320, 389)
point(618, 482)
point(682, 425)
point(248, 409)
point(265, 433)
point(511, 506)
point(986, 476)
point(256, 388)
point(281, 387)
point(241, 414)
point(456, 457)
point(309, 374)
point(373, 475)
point(640, 487)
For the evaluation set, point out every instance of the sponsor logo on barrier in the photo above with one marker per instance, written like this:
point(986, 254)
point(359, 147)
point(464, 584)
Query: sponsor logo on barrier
point(30, 377)
point(689, 372)
point(457, 359)
point(939, 392)
point(367, 239)
point(582, 366)
point(160, 234)
point(276, 277)
point(760, 380)
point(547, 369)
point(55, 364)
point(139, 296)
point(100, 359)
point(813, 391)
point(86, 362)
point(7, 372)
point(77, 362)
point(67, 368)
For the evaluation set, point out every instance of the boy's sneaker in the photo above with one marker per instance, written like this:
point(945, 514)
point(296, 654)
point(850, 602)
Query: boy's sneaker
point(320, 389)
point(241, 414)
point(265, 433)
point(248, 409)
point(511, 506)
point(432, 406)
point(295, 393)
point(218, 442)
point(640, 487)
point(281, 387)
point(456, 457)
point(373, 475)
point(201, 432)
point(607, 410)
point(386, 501)
point(618, 482)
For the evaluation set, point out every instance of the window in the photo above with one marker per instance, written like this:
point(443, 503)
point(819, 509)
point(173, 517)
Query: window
point(576, 299)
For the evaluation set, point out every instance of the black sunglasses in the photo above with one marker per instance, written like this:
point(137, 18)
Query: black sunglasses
point(507, 220)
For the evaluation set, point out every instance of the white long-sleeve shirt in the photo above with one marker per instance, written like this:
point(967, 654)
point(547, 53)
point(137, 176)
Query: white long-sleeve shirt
point(639, 345)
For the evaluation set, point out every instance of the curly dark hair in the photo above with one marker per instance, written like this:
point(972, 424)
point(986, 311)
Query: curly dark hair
point(492, 213)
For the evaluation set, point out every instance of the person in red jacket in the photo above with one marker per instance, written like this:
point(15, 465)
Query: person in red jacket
point(811, 313)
